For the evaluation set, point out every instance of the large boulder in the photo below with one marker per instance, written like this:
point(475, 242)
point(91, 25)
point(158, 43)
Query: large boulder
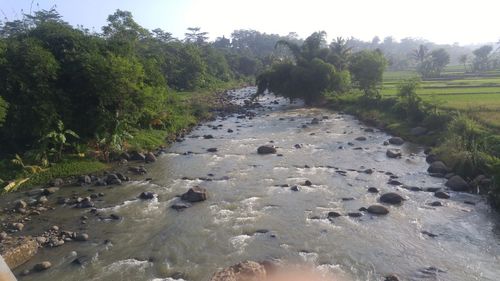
point(457, 183)
point(84, 180)
point(150, 157)
point(42, 266)
point(137, 156)
point(438, 167)
point(147, 195)
point(243, 271)
point(442, 194)
point(393, 153)
point(18, 250)
point(396, 141)
point(195, 194)
point(266, 149)
point(377, 210)
point(391, 198)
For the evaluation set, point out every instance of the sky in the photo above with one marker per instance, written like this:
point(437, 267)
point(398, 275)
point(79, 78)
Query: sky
point(440, 21)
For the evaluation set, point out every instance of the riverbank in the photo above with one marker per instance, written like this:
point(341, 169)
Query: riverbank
point(36, 199)
point(468, 149)
point(186, 109)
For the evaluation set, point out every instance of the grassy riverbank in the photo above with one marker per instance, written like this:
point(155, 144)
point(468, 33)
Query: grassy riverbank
point(185, 110)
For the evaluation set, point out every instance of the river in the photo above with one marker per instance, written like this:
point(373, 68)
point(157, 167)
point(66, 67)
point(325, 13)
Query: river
point(250, 214)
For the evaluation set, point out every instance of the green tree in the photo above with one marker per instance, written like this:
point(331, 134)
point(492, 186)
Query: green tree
point(434, 64)
point(196, 36)
point(409, 101)
point(482, 58)
point(420, 54)
point(308, 76)
point(339, 54)
point(367, 68)
point(28, 86)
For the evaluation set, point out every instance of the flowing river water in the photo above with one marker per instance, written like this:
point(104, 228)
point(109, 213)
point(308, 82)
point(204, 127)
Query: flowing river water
point(250, 215)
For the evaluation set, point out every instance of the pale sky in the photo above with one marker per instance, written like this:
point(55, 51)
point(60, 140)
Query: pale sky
point(440, 21)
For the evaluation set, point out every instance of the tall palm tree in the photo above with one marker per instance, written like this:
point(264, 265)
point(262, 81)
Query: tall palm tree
point(339, 53)
point(310, 49)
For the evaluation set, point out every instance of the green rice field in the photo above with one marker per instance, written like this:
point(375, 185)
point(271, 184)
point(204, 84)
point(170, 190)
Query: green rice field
point(477, 94)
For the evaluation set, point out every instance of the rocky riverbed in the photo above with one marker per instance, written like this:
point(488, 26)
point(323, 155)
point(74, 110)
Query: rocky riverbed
point(272, 182)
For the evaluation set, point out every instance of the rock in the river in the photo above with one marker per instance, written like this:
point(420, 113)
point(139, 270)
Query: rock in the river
point(360, 138)
point(378, 210)
point(212, 149)
point(50, 190)
point(431, 158)
point(137, 156)
point(315, 121)
point(147, 195)
point(85, 203)
point(307, 183)
point(140, 170)
point(391, 198)
point(373, 190)
point(333, 214)
point(208, 137)
point(243, 271)
point(438, 167)
point(20, 204)
point(113, 179)
point(42, 200)
point(295, 188)
point(355, 214)
point(442, 195)
point(18, 250)
point(84, 179)
point(195, 194)
point(125, 156)
point(457, 183)
point(42, 266)
point(81, 260)
point(17, 226)
point(180, 206)
point(57, 182)
point(81, 237)
point(393, 153)
point(396, 141)
point(150, 157)
point(391, 277)
point(266, 149)
point(436, 204)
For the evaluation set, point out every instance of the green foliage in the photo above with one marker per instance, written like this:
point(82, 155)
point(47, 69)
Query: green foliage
point(464, 146)
point(482, 58)
point(409, 102)
point(367, 69)
point(434, 63)
point(147, 139)
point(30, 72)
point(3, 110)
point(340, 54)
point(55, 141)
point(66, 168)
point(308, 76)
